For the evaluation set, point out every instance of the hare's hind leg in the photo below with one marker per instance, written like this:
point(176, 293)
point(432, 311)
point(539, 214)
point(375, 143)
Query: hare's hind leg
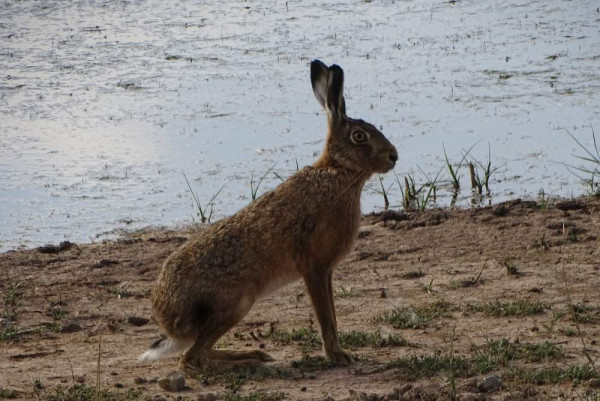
point(209, 330)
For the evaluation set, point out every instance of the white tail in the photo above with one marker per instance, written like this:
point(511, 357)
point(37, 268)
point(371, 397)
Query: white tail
point(163, 348)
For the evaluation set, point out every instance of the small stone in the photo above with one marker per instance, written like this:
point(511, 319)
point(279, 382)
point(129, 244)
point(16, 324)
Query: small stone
point(490, 384)
point(303, 389)
point(104, 263)
point(137, 321)
point(174, 381)
point(70, 327)
point(119, 385)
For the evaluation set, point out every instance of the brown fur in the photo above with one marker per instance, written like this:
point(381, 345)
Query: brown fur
point(302, 229)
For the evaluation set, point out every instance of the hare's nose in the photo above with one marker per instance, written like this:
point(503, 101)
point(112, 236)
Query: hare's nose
point(393, 155)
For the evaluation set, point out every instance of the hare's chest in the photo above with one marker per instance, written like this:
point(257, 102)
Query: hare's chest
point(333, 236)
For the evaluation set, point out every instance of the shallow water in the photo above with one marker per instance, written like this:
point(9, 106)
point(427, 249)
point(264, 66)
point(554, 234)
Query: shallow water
point(103, 104)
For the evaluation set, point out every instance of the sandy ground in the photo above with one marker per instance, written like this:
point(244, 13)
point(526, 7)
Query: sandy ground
point(66, 308)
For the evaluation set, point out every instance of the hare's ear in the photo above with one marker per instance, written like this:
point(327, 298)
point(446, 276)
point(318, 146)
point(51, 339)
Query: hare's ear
point(328, 86)
point(336, 105)
point(319, 77)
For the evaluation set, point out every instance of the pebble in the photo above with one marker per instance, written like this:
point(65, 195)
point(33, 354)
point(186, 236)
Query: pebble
point(174, 381)
point(137, 321)
point(490, 384)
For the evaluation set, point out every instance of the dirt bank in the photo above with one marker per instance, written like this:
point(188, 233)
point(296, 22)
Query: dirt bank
point(433, 303)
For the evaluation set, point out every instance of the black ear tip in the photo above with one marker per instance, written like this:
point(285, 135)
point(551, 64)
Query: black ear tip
point(336, 69)
point(317, 65)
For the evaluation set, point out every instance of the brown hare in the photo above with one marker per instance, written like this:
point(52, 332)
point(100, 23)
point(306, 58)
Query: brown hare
point(301, 229)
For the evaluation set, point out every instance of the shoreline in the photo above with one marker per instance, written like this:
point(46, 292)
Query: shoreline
point(119, 233)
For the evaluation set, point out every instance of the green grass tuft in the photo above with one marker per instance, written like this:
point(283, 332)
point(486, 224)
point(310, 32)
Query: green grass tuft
point(500, 352)
point(551, 375)
point(307, 339)
point(357, 339)
point(345, 292)
point(8, 394)
point(585, 314)
point(81, 392)
point(255, 396)
point(418, 367)
point(11, 294)
point(415, 317)
point(516, 308)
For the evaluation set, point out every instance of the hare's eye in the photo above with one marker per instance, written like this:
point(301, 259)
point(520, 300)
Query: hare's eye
point(359, 137)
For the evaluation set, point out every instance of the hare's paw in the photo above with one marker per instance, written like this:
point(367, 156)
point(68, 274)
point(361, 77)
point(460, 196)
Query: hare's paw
point(224, 355)
point(341, 357)
point(192, 369)
point(223, 364)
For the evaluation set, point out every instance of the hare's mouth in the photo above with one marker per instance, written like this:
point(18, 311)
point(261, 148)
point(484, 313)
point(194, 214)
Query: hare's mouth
point(386, 161)
point(384, 165)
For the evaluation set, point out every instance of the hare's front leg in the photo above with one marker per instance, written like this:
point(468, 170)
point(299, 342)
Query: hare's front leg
point(321, 294)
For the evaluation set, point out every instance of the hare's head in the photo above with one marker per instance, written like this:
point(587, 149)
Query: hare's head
point(353, 144)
